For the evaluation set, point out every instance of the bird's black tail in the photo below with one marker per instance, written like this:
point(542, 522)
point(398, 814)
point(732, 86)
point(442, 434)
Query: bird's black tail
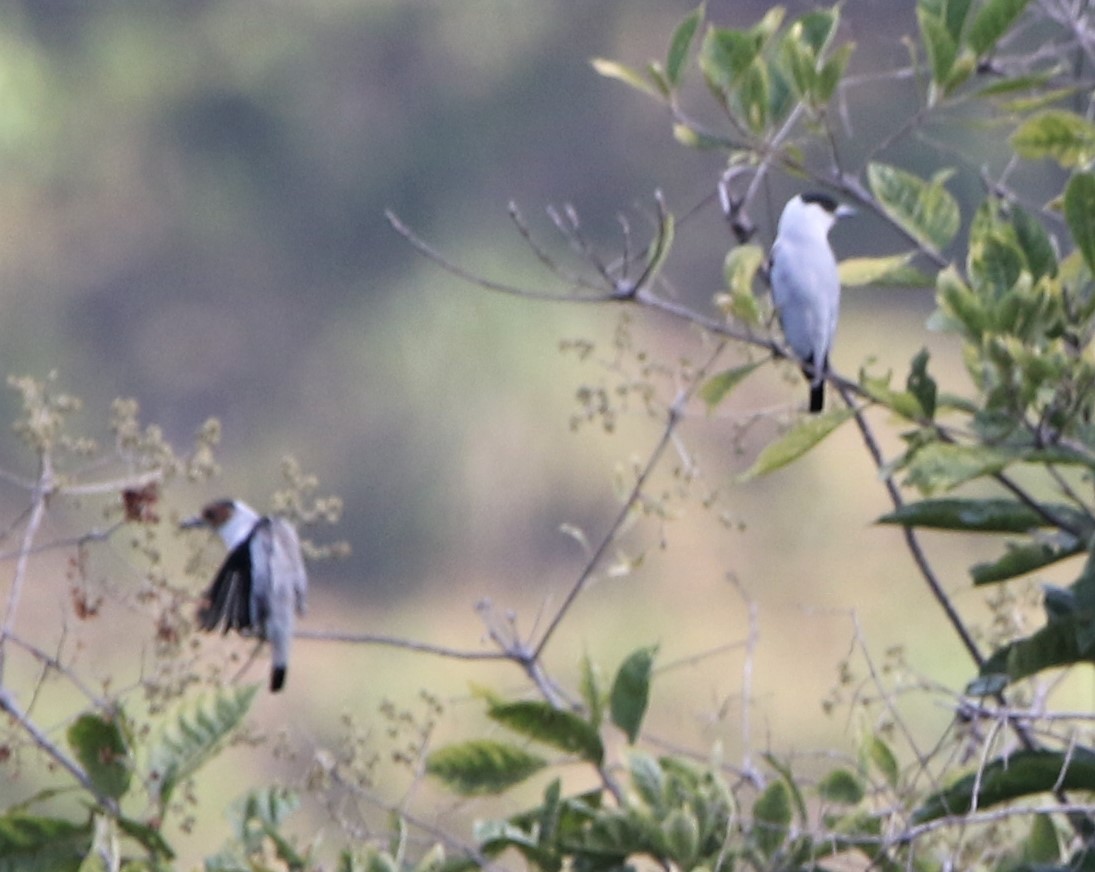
point(817, 383)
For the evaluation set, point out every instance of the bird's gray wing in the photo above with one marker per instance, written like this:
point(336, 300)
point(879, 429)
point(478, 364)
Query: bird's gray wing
point(282, 592)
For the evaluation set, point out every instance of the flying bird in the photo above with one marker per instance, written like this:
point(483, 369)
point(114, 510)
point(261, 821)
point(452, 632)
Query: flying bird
point(805, 284)
point(260, 588)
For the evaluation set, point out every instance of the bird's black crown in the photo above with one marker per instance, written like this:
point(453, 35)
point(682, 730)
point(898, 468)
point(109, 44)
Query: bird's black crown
point(823, 200)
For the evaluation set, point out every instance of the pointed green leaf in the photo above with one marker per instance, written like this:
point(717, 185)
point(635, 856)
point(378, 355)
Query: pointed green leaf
point(199, 729)
point(739, 270)
point(855, 272)
point(940, 466)
point(1080, 214)
point(725, 56)
point(880, 756)
point(628, 75)
point(682, 837)
point(1057, 134)
point(772, 818)
point(29, 843)
point(681, 44)
point(816, 29)
point(924, 210)
point(1035, 243)
point(1064, 642)
point(715, 389)
point(631, 691)
point(992, 21)
point(559, 728)
point(101, 747)
point(1021, 559)
point(831, 72)
point(648, 780)
point(1042, 845)
point(1019, 774)
point(482, 766)
point(940, 45)
point(960, 309)
point(804, 435)
point(993, 515)
point(147, 836)
point(592, 694)
point(842, 786)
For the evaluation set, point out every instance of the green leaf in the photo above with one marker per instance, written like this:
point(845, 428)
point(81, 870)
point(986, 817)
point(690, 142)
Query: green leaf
point(715, 389)
point(590, 688)
point(148, 836)
point(741, 266)
point(1062, 642)
point(726, 55)
point(941, 466)
point(956, 13)
point(816, 29)
point(924, 210)
point(197, 733)
point(682, 837)
point(559, 728)
point(831, 72)
point(856, 272)
point(1042, 845)
point(940, 44)
point(628, 75)
point(804, 435)
point(1019, 774)
point(1080, 214)
point(681, 44)
point(959, 307)
point(1024, 558)
point(482, 766)
point(995, 515)
point(101, 747)
point(648, 780)
point(1057, 134)
point(882, 758)
point(40, 844)
point(631, 691)
point(841, 786)
point(772, 818)
point(1037, 247)
point(993, 20)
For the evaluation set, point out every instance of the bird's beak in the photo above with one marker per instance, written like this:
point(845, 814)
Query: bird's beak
point(192, 523)
point(843, 211)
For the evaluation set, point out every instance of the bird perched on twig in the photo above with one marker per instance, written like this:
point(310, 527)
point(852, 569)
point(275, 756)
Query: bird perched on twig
point(261, 586)
point(805, 284)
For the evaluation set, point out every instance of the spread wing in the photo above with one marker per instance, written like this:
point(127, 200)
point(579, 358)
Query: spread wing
point(228, 598)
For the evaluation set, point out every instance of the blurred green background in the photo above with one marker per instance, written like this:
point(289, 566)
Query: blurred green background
point(193, 215)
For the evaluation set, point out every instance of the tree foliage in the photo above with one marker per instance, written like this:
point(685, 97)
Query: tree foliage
point(1011, 453)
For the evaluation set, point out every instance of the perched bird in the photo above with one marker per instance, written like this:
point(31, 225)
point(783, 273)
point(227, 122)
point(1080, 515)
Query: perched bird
point(260, 587)
point(805, 285)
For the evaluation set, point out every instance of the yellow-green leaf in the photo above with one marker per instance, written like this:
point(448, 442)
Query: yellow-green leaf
point(924, 210)
point(803, 436)
point(627, 75)
point(856, 272)
point(1057, 134)
point(1080, 214)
